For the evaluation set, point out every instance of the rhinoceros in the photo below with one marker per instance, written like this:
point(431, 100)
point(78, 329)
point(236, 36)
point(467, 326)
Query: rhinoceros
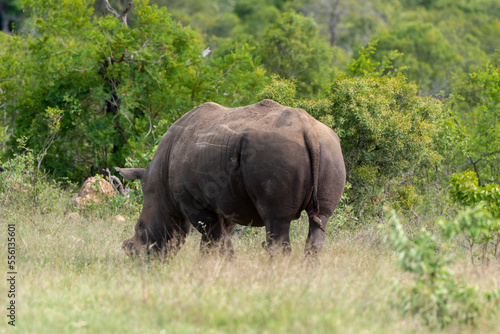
point(257, 165)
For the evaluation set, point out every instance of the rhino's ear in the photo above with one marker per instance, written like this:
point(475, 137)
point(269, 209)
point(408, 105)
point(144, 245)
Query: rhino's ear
point(131, 173)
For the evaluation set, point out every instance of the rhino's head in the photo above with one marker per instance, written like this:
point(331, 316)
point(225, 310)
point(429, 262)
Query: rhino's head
point(156, 231)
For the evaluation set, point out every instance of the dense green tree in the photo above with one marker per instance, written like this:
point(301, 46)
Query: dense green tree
point(10, 15)
point(349, 23)
point(427, 55)
point(211, 18)
point(441, 39)
point(477, 115)
point(386, 129)
point(112, 90)
point(475, 6)
point(291, 48)
point(255, 15)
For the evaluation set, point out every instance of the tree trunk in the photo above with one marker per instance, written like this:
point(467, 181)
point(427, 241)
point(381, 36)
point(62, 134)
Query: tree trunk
point(333, 22)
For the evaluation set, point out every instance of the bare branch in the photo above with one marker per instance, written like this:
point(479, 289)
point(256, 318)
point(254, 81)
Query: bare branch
point(114, 181)
point(229, 70)
point(46, 145)
point(125, 12)
point(486, 155)
point(111, 10)
point(80, 70)
point(123, 16)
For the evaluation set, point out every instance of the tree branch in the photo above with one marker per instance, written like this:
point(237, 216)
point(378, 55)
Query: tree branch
point(126, 10)
point(111, 10)
point(486, 155)
point(475, 170)
point(470, 159)
point(123, 16)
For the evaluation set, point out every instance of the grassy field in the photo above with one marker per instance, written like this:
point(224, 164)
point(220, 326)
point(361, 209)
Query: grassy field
point(74, 278)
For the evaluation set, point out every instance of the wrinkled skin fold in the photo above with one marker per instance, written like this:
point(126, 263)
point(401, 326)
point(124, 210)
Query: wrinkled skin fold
point(259, 165)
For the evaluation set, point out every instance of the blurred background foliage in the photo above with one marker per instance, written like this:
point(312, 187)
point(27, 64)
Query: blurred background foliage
point(410, 86)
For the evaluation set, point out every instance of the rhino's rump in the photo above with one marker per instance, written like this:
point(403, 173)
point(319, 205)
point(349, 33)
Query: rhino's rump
point(241, 164)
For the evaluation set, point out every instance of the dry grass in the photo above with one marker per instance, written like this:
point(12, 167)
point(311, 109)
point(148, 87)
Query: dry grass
point(74, 278)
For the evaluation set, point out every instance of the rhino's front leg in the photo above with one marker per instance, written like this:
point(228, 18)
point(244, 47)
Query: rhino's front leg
point(278, 235)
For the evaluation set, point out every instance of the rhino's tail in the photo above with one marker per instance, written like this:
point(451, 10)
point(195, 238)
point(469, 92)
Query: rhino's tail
point(312, 144)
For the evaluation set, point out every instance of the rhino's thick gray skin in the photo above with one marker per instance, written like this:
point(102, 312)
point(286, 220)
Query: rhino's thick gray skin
point(259, 165)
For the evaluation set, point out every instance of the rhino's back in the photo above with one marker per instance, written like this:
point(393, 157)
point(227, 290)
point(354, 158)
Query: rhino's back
point(264, 115)
point(225, 159)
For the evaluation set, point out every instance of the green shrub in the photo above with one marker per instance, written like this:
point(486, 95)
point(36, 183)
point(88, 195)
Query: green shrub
point(291, 47)
point(405, 198)
point(476, 107)
point(385, 129)
point(479, 223)
point(26, 189)
point(480, 231)
point(22, 183)
point(117, 88)
point(465, 190)
point(280, 90)
point(434, 294)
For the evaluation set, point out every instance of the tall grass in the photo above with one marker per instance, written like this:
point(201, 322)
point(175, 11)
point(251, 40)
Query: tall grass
point(74, 278)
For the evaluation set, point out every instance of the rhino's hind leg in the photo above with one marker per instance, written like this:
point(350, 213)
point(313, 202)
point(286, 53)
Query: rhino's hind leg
point(214, 229)
point(214, 236)
point(316, 235)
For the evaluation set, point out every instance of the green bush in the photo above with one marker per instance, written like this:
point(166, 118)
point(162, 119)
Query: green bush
point(480, 232)
point(22, 183)
point(405, 198)
point(118, 87)
point(479, 223)
point(24, 189)
point(476, 110)
point(465, 190)
point(280, 90)
point(291, 48)
point(434, 294)
point(385, 129)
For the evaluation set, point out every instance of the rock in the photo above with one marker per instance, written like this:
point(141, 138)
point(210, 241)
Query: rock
point(120, 219)
point(93, 189)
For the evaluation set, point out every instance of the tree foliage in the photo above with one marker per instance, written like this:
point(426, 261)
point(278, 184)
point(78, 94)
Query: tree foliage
point(385, 128)
point(423, 46)
point(479, 223)
point(477, 114)
point(118, 87)
point(90, 92)
point(291, 48)
point(466, 191)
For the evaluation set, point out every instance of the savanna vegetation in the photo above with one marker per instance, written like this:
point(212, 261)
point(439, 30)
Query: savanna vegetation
point(411, 87)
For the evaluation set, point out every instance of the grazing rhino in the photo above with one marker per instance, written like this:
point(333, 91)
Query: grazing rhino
point(259, 165)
